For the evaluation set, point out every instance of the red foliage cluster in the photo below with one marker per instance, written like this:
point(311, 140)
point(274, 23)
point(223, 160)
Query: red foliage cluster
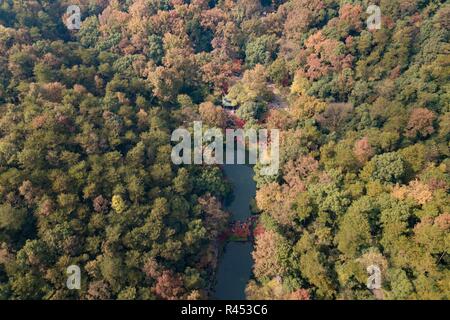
point(420, 123)
point(239, 123)
point(241, 230)
point(300, 294)
point(169, 286)
point(223, 236)
point(259, 229)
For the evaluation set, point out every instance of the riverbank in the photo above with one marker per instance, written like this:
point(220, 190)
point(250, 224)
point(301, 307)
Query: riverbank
point(236, 263)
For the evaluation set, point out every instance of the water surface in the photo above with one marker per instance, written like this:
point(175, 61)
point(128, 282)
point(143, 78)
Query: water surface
point(236, 263)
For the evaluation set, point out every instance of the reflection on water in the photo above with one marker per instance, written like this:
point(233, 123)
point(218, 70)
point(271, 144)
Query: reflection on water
point(234, 271)
point(236, 263)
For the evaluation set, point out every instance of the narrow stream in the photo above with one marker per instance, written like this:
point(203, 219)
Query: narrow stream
point(236, 263)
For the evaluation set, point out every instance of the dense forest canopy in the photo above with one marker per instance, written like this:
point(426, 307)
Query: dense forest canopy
point(86, 117)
